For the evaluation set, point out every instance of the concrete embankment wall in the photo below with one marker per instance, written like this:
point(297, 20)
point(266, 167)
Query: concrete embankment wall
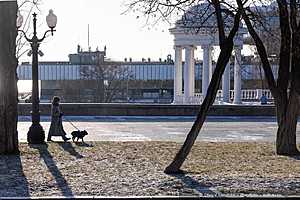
point(150, 110)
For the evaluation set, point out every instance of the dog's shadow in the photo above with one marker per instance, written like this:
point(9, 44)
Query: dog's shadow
point(83, 144)
point(68, 147)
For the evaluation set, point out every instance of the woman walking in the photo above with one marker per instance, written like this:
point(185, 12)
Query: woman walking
point(56, 127)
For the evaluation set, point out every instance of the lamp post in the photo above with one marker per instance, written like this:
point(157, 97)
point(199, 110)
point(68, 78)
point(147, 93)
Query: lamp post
point(36, 133)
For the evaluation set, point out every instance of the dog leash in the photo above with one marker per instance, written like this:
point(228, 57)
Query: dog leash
point(72, 124)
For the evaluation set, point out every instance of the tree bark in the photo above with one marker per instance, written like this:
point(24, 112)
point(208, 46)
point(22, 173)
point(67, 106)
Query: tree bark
point(287, 125)
point(287, 104)
point(8, 78)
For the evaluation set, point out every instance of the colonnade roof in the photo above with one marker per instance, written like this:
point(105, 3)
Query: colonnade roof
point(198, 27)
point(202, 16)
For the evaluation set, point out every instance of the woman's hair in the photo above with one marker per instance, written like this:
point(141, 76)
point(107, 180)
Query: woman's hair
point(55, 100)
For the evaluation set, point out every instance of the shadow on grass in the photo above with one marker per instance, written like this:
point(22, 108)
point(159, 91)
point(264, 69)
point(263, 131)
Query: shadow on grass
point(13, 182)
point(297, 157)
point(50, 163)
point(68, 147)
point(83, 144)
point(194, 184)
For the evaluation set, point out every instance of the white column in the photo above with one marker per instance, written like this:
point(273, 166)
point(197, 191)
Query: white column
point(192, 58)
point(177, 73)
point(206, 68)
point(237, 76)
point(226, 84)
point(189, 77)
point(210, 66)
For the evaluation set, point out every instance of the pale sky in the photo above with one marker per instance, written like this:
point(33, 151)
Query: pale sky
point(124, 35)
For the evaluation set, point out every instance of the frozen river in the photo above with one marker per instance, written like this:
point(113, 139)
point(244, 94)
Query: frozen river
point(118, 128)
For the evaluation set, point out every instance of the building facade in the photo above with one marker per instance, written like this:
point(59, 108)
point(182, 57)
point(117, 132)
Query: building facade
point(91, 77)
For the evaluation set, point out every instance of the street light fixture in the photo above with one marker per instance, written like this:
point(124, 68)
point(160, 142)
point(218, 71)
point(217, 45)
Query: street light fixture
point(36, 133)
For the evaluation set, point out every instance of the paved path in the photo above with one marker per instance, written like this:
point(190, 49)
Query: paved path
point(103, 128)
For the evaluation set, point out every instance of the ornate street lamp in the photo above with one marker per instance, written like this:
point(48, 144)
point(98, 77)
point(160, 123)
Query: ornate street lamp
point(36, 133)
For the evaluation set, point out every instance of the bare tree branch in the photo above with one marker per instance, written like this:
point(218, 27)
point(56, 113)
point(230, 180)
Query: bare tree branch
point(261, 49)
point(27, 7)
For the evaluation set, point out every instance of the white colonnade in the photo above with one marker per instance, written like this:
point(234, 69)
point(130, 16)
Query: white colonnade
point(198, 28)
point(187, 96)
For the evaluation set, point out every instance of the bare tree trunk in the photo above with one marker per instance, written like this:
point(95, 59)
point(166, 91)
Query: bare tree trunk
point(226, 46)
point(8, 79)
point(287, 125)
point(180, 157)
point(99, 90)
point(261, 78)
point(287, 105)
point(102, 90)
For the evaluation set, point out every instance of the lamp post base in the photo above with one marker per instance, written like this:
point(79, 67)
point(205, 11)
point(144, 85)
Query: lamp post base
point(36, 134)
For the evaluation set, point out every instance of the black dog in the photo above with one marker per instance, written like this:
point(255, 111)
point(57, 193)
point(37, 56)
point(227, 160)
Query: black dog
point(79, 135)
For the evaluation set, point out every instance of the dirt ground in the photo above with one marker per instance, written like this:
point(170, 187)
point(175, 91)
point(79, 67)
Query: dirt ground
point(136, 168)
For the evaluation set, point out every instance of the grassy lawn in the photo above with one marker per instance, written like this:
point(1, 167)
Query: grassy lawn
point(136, 168)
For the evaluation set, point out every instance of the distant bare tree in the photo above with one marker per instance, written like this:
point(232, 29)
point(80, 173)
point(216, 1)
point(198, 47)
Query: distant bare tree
point(110, 79)
point(264, 16)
